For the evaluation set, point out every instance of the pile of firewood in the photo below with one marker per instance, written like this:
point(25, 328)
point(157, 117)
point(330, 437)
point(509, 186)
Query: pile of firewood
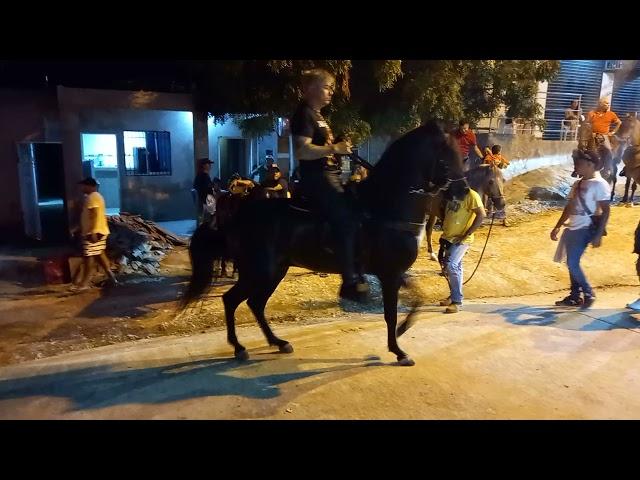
point(137, 245)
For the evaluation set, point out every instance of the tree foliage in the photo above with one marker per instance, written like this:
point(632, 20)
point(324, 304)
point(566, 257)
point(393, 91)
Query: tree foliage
point(385, 97)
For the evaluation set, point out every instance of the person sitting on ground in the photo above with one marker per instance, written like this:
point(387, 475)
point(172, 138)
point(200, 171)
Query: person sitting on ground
point(494, 157)
point(464, 213)
point(588, 213)
point(95, 230)
point(275, 185)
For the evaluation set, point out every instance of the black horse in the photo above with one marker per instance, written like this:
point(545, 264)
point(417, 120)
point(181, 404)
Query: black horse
point(267, 237)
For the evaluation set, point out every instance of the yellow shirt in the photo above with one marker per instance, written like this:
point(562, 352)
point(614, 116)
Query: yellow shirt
point(459, 215)
point(94, 201)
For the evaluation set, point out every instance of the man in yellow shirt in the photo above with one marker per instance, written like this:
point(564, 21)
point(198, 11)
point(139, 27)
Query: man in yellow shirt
point(95, 230)
point(464, 213)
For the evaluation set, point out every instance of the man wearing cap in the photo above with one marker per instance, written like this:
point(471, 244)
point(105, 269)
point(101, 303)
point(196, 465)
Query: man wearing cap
point(275, 185)
point(202, 184)
point(95, 230)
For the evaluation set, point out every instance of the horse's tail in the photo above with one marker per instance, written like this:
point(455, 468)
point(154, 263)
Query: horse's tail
point(206, 245)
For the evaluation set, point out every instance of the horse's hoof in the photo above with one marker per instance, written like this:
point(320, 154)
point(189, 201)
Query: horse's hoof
point(242, 355)
point(433, 256)
point(286, 348)
point(406, 362)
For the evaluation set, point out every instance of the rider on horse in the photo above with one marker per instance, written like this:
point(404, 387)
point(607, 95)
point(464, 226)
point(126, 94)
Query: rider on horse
point(601, 119)
point(320, 173)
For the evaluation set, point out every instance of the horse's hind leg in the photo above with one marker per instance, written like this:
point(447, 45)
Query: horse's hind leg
point(627, 185)
point(258, 298)
point(231, 299)
point(633, 190)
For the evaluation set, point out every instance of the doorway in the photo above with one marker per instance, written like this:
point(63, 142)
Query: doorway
point(232, 157)
point(100, 161)
point(42, 191)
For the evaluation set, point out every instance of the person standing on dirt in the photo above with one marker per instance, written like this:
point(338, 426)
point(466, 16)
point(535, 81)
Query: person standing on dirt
point(466, 139)
point(94, 230)
point(320, 174)
point(464, 214)
point(202, 185)
point(588, 212)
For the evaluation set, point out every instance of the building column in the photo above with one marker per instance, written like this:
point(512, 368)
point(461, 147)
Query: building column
point(200, 136)
point(606, 89)
point(72, 157)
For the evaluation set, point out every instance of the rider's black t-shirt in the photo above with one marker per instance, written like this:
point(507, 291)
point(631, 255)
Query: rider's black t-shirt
point(307, 122)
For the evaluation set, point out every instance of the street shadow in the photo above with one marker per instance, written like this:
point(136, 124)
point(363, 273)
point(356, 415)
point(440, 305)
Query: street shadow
point(569, 319)
point(21, 273)
point(106, 386)
point(133, 299)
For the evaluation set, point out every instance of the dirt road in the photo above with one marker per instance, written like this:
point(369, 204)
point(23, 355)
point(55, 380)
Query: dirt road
point(498, 359)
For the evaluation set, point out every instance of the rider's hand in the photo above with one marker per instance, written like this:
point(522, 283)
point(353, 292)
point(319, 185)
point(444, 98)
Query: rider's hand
point(342, 148)
point(554, 234)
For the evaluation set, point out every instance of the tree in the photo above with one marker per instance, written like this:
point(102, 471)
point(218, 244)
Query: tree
point(379, 97)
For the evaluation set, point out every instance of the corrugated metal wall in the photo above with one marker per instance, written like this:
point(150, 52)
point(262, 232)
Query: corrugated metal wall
point(626, 92)
point(576, 77)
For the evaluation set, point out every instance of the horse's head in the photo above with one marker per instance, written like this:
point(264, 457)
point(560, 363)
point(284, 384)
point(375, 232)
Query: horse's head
point(488, 180)
point(424, 160)
point(440, 158)
point(585, 136)
point(633, 131)
point(631, 159)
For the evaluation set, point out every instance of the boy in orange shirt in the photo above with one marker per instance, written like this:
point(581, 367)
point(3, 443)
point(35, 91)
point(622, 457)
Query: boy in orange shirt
point(494, 157)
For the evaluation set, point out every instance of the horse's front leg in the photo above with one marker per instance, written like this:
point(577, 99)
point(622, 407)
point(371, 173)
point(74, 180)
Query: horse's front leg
point(429, 227)
point(390, 287)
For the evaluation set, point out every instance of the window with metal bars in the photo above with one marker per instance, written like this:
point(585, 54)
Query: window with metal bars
point(147, 153)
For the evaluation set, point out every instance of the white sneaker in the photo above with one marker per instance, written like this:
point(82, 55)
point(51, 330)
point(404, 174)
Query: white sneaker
point(634, 305)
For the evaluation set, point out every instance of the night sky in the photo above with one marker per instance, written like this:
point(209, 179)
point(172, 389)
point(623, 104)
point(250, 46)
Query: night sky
point(171, 76)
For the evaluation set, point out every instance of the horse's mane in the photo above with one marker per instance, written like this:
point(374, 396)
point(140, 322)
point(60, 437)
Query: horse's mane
point(404, 159)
